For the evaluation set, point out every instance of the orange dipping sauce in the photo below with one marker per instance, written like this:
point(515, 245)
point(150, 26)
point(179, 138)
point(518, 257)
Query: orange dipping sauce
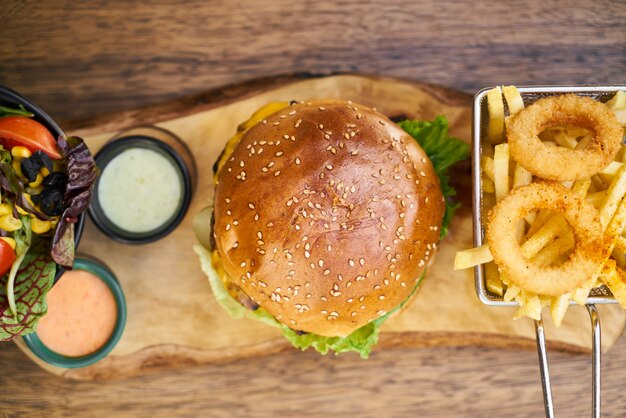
point(82, 313)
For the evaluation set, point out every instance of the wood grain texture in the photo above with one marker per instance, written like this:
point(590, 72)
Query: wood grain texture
point(78, 59)
point(148, 52)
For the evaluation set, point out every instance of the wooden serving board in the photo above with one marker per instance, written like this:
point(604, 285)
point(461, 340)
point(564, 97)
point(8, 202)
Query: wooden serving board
point(173, 319)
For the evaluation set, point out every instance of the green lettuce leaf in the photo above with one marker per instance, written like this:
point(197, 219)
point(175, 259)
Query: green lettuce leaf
point(362, 340)
point(444, 151)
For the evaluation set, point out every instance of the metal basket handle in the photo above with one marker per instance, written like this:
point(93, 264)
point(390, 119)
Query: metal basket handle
point(595, 363)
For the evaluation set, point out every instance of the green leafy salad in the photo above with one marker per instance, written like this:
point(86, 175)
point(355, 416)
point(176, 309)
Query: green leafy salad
point(443, 151)
point(45, 185)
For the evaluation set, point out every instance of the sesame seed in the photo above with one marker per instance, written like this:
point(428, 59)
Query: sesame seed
point(297, 161)
point(381, 297)
point(228, 227)
point(279, 153)
point(277, 173)
point(355, 152)
point(322, 108)
point(251, 205)
point(329, 167)
point(307, 255)
point(351, 262)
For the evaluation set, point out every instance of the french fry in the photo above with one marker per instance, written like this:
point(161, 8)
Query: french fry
point(615, 194)
point(612, 168)
point(511, 292)
point(558, 247)
point(488, 185)
point(558, 308)
point(493, 281)
point(581, 187)
point(621, 116)
point(618, 101)
point(564, 140)
point(472, 257)
point(486, 165)
point(531, 307)
point(547, 233)
point(599, 183)
point(514, 100)
point(619, 251)
point(581, 294)
point(615, 279)
point(501, 170)
point(521, 176)
point(540, 220)
point(584, 142)
point(597, 198)
point(495, 105)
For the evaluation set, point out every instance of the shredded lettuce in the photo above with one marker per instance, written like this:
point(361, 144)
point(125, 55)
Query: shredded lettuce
point(443, 151)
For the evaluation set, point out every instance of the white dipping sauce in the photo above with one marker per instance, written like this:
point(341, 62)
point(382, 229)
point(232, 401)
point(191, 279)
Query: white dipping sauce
point(139, 190)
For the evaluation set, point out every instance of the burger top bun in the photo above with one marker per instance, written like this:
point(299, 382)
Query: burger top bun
point(326, 214)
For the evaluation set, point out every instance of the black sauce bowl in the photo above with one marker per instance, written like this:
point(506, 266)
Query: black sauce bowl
point(166, 144)
point(11, 98)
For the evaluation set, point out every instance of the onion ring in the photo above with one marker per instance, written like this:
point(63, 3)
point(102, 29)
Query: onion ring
point(589, 252)
point(558, 163)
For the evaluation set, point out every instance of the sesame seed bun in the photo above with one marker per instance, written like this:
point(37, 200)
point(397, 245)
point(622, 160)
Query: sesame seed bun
point(326, 214)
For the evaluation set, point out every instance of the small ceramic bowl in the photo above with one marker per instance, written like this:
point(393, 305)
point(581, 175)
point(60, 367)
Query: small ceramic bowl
point(174, 150)
point(100, 270)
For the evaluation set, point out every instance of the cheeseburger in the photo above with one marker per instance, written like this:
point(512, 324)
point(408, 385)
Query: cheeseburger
point(326, 215)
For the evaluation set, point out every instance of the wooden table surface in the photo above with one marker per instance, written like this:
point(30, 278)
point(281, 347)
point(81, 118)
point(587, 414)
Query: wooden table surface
point(78, 59)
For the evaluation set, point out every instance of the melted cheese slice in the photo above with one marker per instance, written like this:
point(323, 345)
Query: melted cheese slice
point(256, 117)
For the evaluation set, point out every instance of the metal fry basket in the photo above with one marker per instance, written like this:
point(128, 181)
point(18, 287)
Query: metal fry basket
point(601, 295)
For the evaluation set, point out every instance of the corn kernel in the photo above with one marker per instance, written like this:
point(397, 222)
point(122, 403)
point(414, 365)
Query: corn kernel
point(9, 223)
point(37, 181)
point(45, 172)
point(17, 166)
point(39, 227)
point(20, 152)
point(20, 210)
point(9, 241)
point(5, 209)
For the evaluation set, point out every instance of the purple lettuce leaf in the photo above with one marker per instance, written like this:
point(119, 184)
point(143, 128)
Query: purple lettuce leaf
point(82, 173)
point(33, 280)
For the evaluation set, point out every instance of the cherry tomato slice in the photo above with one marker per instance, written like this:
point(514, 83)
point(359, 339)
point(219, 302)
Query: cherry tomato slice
point(27, 132)
point(7, 257)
